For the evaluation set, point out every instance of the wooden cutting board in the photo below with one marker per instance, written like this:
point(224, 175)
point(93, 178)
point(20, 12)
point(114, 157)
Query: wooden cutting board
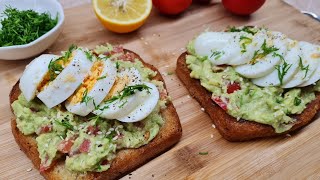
point(160, 41)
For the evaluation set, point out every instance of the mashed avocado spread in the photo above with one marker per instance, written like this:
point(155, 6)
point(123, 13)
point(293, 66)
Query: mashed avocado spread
point(242, 99)
point(89, 143)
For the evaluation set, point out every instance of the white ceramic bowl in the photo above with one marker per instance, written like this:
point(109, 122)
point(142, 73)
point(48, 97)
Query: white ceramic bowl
point(53, 7)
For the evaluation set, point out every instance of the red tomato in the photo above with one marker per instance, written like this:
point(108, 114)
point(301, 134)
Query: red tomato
point(220, 103)
point(171, 7)
point(233, 87)
point(243, 7)
point(85, 146)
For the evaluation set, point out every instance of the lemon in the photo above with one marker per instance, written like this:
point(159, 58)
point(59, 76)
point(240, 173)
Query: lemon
point(122, 16)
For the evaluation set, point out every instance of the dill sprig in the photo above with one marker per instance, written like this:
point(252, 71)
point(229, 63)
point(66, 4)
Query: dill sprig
point(66, 124)
point(282, 69)
point(303, 68)
point(85, 98)
point(246, 29)
point(263, 52)
point(216, 54)
point(23, 27)
point(244, 41)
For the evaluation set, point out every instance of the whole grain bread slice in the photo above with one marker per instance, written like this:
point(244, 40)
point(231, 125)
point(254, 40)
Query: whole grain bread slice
point(229, 127)
point(126, 160)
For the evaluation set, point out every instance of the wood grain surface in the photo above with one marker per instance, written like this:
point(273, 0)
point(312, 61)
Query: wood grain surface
point(159, 42)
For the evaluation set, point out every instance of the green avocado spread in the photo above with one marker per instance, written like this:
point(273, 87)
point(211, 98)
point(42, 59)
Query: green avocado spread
point(88, 143)
point(240, 98)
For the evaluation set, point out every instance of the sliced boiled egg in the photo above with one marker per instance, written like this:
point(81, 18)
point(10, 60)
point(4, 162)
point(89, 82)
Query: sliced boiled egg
point(285, 70)
point(265, 59)
point(93, 89)
point(308, 63)
point(245, 46)
point(34, 74)
point(119, 101)
point(209, 44)
point(315, 76)
point(71, 74)
point(150, 99)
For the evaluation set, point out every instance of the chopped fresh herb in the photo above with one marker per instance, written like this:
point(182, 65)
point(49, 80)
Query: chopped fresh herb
point(96, 119)
point(297, 101)
point(246, 29)
point(262, 52)
point(89, 55)
point(244, 41)
point(102, 77)
point(303, 68)
point(216, 54)
point(127, 91)
point(282, 69)
point(23, 27)
point(54, 68)
point(85, 98)
point(68, 53)
point(117, 65)
point(66, 124)
point(203, 153)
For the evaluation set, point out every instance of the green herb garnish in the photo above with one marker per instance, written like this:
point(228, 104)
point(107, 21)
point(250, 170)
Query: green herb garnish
point(117, 65)
point(203, 153)
point(85, 98)
point(23, 27)
point(297, 101)
point(282, 69)
point(54, 68)
point(89, 55)
point(303, 68)
point(127, 91)
point(216, 54)
point(244, 41)
point(246, 29)
point(68, 53)
point(262, 52)
point(66, 124)
point(102, 77)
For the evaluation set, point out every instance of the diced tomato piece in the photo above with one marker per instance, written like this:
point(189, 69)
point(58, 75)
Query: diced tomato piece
point(219, 101)
point(85, 146)
point(232, 87)
point(105, 162)
point(92, 130)
point(44, 129)
point(65, 146)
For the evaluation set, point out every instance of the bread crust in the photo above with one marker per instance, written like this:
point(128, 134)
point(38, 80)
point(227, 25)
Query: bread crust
point(126, 161)
point(229, 127)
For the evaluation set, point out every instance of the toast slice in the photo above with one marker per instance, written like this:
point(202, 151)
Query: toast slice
point(126, 160)
point(229, 127)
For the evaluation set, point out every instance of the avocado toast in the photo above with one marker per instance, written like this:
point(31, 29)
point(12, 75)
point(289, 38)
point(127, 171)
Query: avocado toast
point(240, 109)
point(122, 160)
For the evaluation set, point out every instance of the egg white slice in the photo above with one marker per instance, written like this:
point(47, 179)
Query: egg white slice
point(315, 76)
point(150, 100)
point(266, 65)
point(98, 92)
point(292, 62)
point(121, 107)
point(208, 42)
point(67, 81)
point(302, 76)
point(34, 74)
point(245, 55)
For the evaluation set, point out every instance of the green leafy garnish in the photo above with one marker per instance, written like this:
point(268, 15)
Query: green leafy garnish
point(263, 52)
point(85, 98)
point(297, 101)
point(66, 124)
point(203, 153)
point(282, 69)
point(68, 53)
point(244, 41)
point(246, 29)
point(23, 27)
point(102, 77)
point(54, 68)
point(89, 55)
point(303, 68)
point(117, 65)
point(127, 91)
point(216, 54)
